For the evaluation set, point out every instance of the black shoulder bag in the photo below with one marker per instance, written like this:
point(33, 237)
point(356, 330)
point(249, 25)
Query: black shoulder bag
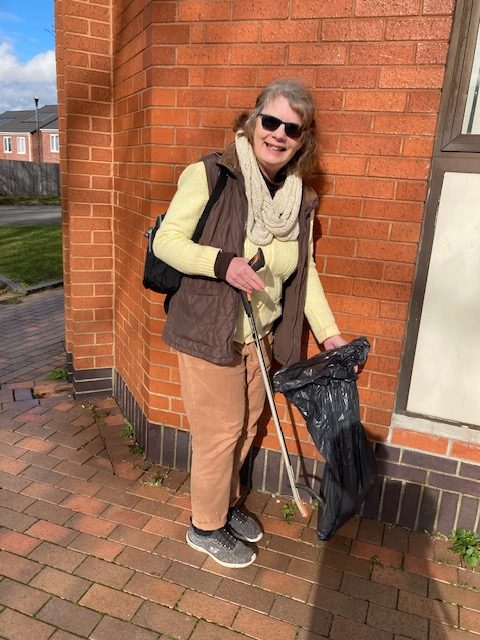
point(160, 276)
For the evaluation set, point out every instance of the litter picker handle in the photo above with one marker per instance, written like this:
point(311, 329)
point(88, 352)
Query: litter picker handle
point(258, 260)
point(257, 263)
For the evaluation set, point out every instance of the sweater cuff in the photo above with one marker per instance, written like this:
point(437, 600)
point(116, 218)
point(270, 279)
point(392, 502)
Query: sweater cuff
point(222, 263)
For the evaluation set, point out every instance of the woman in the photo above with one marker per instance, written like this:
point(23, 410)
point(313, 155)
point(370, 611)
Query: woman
point(264, 204)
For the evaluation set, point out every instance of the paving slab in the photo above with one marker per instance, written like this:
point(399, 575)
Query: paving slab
point(92, 537)
point(32, 336)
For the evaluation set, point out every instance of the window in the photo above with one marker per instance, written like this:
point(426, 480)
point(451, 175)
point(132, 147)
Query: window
point(54, 143)
point(21, 145)
point(451, 234)
point(471, 120)
point(7, 144)
point(462, 112)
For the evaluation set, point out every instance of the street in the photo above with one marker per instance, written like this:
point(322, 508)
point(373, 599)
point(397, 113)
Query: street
point(24, 215)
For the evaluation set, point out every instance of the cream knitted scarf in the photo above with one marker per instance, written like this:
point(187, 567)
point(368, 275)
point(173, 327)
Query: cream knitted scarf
point(268, 217)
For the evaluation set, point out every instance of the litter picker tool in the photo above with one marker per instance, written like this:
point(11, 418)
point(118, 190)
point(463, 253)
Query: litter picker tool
point(257, 262)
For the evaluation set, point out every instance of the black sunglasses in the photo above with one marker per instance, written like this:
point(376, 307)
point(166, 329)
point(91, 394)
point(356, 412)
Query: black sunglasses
point(292, 129)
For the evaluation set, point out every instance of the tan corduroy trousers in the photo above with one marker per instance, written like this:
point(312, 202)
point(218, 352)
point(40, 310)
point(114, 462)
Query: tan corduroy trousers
point(223, 404)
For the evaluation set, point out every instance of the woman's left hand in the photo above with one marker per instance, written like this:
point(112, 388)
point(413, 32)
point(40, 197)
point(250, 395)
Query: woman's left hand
point(334, 342)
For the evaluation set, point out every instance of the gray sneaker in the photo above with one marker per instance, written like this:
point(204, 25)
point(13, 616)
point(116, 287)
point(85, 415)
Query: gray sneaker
point(243, 527)
point(223, 547)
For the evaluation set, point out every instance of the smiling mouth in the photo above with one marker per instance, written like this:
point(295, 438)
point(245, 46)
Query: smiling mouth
point(275, 147)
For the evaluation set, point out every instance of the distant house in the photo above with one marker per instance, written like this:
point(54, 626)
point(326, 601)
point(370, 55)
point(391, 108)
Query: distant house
point(19, 139)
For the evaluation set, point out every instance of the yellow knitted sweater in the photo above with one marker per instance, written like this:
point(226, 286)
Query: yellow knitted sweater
point(173, 245)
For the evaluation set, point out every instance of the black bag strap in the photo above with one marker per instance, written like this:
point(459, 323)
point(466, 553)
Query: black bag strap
point(217, 190)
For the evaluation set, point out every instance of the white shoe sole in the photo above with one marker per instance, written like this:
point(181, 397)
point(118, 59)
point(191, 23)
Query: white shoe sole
point(240, 537)
point(214, 557)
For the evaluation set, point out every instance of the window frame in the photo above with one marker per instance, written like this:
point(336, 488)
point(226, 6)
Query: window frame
point(19, 150)
point(465, 34)
point(453, 151)
point(7, 144)
point(55, 143)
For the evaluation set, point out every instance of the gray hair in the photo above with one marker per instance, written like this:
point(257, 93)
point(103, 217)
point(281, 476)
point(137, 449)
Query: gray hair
point(301, 101)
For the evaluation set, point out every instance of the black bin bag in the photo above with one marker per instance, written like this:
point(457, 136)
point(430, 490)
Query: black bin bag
point(324, 389)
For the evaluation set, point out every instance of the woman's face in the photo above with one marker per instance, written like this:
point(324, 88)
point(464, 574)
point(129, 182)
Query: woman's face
point(274, 149)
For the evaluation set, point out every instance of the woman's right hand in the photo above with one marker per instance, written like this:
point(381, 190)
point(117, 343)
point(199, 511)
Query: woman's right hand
point(241, 276)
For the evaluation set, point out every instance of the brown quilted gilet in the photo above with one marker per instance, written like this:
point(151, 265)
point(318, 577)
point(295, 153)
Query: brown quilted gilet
point(203, 313)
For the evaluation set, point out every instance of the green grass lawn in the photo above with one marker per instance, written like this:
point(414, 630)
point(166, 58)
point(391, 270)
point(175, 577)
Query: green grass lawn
point(31, 254)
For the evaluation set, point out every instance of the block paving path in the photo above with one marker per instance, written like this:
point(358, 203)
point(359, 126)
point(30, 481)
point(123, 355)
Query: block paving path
point(31, 336)
point(92, 541)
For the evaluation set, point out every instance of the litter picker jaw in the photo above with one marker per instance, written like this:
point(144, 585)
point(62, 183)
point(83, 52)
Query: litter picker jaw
point(257, 262)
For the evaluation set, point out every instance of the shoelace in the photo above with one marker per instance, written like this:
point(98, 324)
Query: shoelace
point(226, 539)
point(238, 516)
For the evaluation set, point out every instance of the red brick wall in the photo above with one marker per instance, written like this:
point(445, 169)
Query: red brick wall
point(31, 148)
point(47, 154)
point(164, 88)
point(14, 155)
point(84, 68)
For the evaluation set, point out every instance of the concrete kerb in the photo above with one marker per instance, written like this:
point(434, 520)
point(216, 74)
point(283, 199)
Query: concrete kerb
point(16, 289)
point(15, 286)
